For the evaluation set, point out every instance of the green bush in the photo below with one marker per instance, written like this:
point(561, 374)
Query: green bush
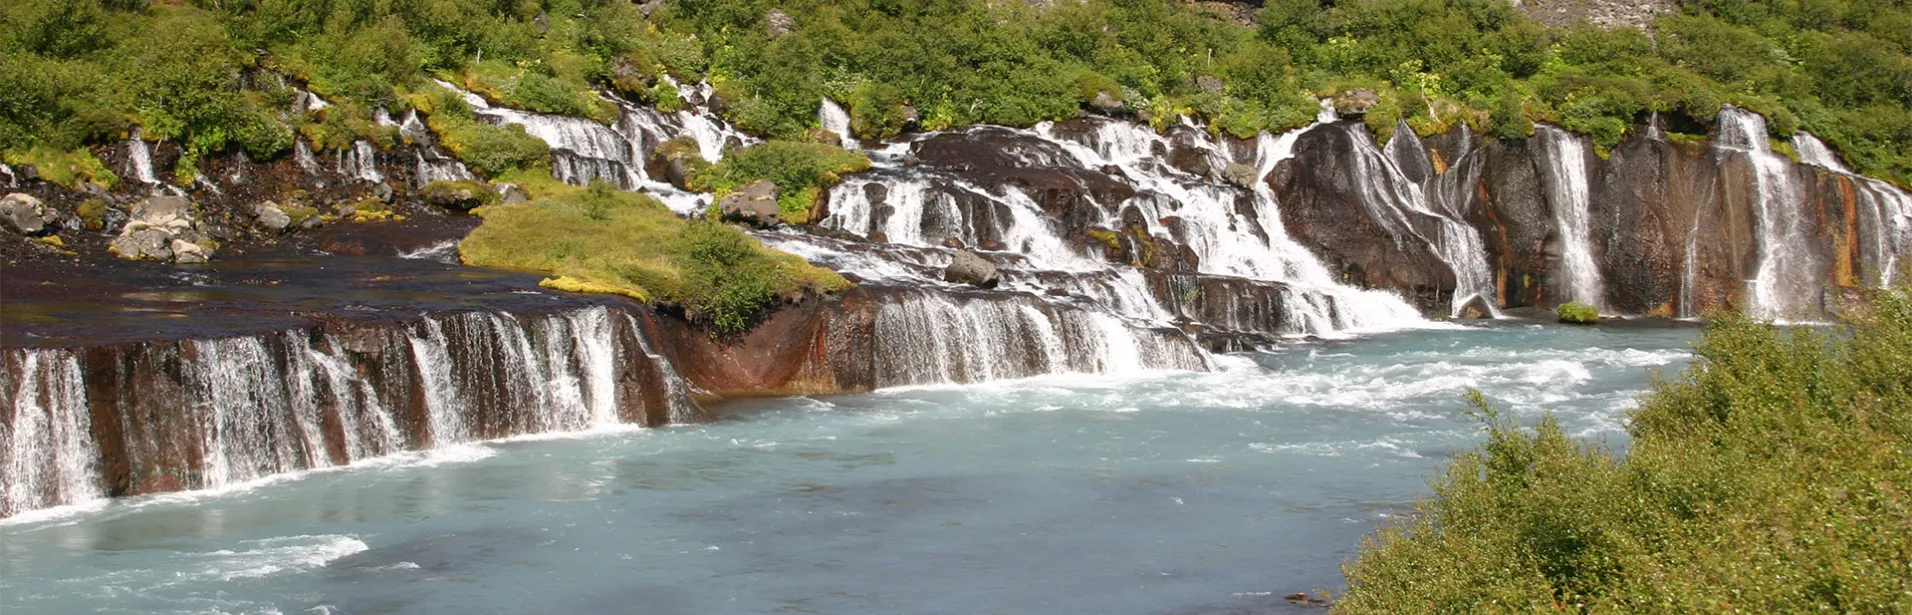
point(1770, 477)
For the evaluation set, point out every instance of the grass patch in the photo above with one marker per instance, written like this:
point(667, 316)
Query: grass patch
point(802, 171)
point(1770, 477)
point(489, 151)
point(66, 168)
point(598, 239)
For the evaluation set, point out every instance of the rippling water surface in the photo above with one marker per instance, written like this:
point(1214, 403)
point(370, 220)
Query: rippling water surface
point(1174, 493)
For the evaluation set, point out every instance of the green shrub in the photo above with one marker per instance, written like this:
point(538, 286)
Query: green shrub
point(1770, 477)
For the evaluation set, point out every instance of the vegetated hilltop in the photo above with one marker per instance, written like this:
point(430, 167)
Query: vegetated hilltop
point(217, 74)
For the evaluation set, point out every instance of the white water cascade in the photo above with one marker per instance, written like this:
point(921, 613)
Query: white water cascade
point(1787, 282)
point(929, 337)
point(139, 158)
point(360, 162)
point(1394, 202)
point(834, 119)
point(241, 409)
point(1566, 182)
point(1885, 210)
point(48, 454)
point(583, 150)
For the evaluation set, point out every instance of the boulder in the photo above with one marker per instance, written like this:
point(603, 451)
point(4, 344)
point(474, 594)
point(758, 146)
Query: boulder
point(972, 269)
point(147, 242)
point(1241, 175)
point(188, 253)
point(754, 204)
point(269, 216)
point(383, 191)
point(650, 7)
point(1106, 103)
point(25, 214)
point(1208, 84)
point(460, 195)
point(511, 194)
point(1475, 309)
point(163, 211)
point(1356, 101)
point(778, 23)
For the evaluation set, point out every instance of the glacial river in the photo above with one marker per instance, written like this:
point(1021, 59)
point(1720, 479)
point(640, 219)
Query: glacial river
point(1157, 493)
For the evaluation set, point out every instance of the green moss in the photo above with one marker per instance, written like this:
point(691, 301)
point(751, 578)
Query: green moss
point(92, 213)
point(1574, 312)
point(603, 240)
point(66, 168)
point(464, 194)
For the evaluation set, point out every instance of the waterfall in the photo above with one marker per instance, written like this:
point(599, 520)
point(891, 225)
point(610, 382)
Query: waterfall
point(1814, 152)
point(1787, 282)
point(241, 409)
point(361, 162)
point(302, 154)
point(1565, 179)
point(47, 451)
point(13, 180)
point(1393, 201)
point(834, 119)
point(925, 337)
point(139, 158)
point(1885, 210)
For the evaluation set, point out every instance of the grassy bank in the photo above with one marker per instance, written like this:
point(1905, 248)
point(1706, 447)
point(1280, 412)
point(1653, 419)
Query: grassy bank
point(1772, 477)
point(598, 239)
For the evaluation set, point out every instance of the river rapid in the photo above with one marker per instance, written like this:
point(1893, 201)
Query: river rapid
point(1143, 492)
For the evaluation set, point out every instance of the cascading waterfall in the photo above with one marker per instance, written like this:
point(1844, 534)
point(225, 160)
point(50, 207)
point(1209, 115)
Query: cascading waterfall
point(47, 452)
point(1391, 198)
point(834, 119)
point(1786, 285)
point(1884, 209)
point(1227, 241)
point(302, 155)
point(583, 150)
point(360, 162)
point(1565, 179)
point(926, 337)
point(139, 158)
point(244, 408)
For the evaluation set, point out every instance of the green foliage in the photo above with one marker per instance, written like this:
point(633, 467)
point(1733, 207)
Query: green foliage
point(599, 239)
point(1770, 477)
point(488, 150)
point(1575, 312)
point(800, 171)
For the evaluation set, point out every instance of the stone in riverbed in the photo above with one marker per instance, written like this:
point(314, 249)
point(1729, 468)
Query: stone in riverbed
point(1476, 309)
point(269, 216)
point(25, 214)
point(972, 269)
point(754, 204)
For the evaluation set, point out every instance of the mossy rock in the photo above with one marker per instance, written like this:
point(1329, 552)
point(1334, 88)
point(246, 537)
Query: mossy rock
point(1577, 313)
point(461, 195)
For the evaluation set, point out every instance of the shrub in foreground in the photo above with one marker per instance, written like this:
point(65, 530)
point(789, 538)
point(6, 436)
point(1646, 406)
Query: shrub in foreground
point(1771, 477)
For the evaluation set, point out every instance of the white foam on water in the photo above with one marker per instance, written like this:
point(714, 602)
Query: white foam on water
point(271, 556)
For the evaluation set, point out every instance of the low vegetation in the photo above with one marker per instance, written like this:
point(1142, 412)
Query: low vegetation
point(1771, 477)
point(599, 239)
point(801, 171)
